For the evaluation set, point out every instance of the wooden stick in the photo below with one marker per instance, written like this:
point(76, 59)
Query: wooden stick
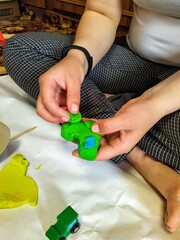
point(21, 134)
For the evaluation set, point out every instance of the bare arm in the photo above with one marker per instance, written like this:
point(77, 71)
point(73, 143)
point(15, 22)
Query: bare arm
point(97, 28)
point(60, 85)
point(165, 95)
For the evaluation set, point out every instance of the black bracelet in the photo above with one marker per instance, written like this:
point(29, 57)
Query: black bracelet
point(66, 49)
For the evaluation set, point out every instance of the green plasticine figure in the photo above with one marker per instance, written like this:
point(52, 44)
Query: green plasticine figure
point(80, 132)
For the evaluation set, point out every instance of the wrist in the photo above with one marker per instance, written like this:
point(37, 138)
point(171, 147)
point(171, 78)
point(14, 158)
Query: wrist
point(154, 104)
point(165, 95)
point(82, 54)
point(81, 58)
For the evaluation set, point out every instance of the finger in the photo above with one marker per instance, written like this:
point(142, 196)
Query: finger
point(87, 119)
point(109, 125)
point(114, 144)
point(73, 97)
point(42, 112)
point(49, 101)
point(75, 153)
point(106, 152)
point(60, 98)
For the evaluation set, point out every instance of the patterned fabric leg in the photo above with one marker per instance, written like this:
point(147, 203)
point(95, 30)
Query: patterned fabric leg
point(123, 71)
point(133, 74)
point(162, 141)
point(120, 72)
point(28, 55)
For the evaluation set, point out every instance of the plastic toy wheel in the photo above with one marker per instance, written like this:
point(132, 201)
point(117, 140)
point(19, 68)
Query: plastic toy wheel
point(63, 238)
point(75, 228)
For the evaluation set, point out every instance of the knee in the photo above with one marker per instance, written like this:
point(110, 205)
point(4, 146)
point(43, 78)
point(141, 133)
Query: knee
point(14, 52)
point(9, 49)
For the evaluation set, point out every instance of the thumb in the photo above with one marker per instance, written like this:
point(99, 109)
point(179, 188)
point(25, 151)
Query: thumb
point(73, 97)
point(108, 125)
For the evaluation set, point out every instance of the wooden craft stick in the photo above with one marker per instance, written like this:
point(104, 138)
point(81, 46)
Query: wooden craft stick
point(21, 134)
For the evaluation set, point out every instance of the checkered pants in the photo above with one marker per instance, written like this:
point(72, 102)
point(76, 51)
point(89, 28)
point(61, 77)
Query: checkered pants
point(120, 72)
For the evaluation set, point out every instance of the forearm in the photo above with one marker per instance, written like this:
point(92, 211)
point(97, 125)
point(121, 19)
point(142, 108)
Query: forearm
point(97, 28)
point(165, 96)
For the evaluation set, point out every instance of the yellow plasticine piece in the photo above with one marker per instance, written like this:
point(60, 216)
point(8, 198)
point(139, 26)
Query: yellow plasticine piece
point(17, 189)
point(39, 167)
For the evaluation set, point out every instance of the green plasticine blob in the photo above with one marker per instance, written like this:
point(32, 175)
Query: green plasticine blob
point(80, 132)
point(17, 189)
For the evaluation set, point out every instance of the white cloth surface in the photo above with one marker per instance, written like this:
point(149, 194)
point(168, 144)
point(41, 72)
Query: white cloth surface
point(113, 202)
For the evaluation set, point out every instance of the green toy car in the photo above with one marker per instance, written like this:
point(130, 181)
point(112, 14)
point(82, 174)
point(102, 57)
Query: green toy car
point(67, 223)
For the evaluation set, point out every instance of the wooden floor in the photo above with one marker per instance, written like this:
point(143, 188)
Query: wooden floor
point(12, 26)
point(24, 23)
point(3, 71)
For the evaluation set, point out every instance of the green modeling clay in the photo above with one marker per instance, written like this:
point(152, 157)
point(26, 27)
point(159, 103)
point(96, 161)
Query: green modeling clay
point(80, 132)
point(17, 189)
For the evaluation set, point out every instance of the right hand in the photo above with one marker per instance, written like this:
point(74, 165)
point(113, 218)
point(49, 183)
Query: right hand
point(124, 130)
point(60, 89)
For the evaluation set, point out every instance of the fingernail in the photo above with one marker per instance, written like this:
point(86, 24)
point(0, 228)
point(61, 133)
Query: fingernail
point(74, 107)
point(95, 128)
point(64, 119)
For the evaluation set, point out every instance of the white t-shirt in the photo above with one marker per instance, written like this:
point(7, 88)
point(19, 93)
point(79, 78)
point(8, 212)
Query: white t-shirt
point(155, 30)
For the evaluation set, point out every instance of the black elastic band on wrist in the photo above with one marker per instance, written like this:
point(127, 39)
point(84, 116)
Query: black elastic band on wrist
point(66, 49)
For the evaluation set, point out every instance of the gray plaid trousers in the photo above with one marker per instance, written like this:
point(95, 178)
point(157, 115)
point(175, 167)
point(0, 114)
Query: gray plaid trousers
point(120, 72)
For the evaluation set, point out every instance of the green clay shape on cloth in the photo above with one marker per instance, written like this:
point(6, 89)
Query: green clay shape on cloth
point(79, 131)
point(17, 189)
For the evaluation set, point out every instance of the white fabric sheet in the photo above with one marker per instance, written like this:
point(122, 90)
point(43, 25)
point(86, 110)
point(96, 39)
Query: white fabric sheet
point(113, 202)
